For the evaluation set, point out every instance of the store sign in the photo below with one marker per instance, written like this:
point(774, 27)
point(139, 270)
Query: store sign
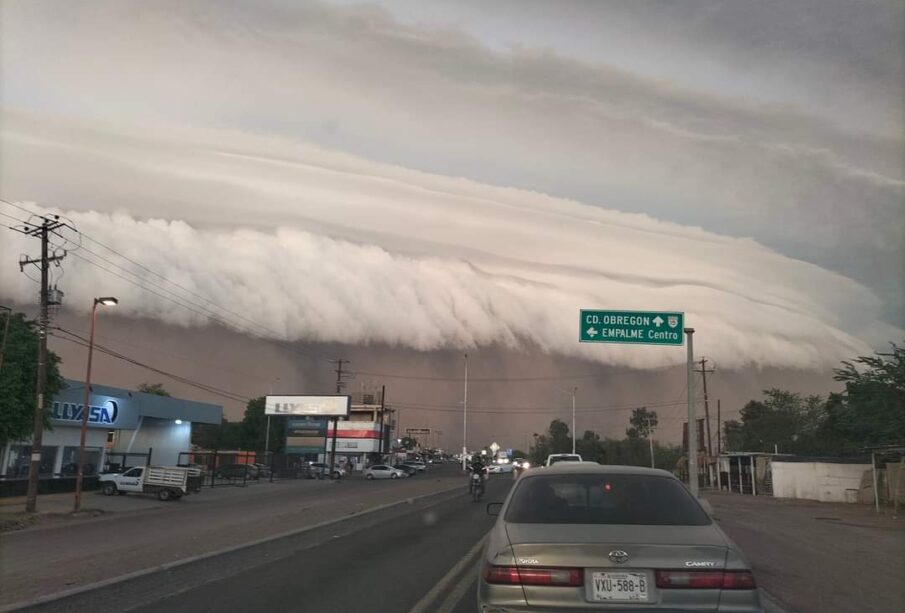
point(323, 406)
point(103, 415)
point(306, 426)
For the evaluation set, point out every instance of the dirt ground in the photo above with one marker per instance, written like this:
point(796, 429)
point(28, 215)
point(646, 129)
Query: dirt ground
point(817, 557)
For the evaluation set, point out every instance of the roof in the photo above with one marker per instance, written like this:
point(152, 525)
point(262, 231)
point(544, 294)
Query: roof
point(595, 468)
point(146, 405)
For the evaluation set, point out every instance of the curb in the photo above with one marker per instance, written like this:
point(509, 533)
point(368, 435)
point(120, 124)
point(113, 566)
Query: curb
point(42, 600)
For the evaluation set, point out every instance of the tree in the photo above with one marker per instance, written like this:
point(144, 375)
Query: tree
point(871, 411)
point(560, 440)
point(253, 428)
point(732, 434)
point(642, 423)
point(156, 389)
point(556, 440)
point(408, 443)
point(19, 379)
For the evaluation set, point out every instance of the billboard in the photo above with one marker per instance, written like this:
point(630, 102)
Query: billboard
point(319, 406)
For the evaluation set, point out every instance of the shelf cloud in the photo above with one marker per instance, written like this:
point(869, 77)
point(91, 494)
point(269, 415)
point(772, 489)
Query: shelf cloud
point(297, 242)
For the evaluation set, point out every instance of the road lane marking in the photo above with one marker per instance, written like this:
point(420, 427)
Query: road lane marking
point(427, 601)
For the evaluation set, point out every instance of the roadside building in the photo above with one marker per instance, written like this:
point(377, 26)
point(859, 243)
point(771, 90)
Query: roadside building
point(124, 427)
point(365, 435)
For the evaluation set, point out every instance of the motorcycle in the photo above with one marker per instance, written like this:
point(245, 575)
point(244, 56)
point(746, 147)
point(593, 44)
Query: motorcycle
point(477, 487)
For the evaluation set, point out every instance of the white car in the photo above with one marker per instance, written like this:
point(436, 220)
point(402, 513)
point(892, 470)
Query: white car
point(382, 471)
point(421, 466)
point(553, 458)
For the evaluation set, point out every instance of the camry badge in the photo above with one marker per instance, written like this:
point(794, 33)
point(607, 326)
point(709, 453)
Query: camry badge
point(618, 556)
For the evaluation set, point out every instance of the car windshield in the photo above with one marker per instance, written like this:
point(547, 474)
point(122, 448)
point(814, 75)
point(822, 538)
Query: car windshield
point(604, 499)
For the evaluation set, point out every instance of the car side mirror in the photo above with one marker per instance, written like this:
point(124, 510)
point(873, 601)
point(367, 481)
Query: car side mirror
point(494, 508)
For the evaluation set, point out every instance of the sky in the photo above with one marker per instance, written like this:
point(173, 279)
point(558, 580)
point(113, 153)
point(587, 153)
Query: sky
point(464, 176)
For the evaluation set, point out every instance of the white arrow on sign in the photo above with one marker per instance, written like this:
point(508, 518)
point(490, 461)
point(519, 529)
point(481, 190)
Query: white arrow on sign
point(592, 332)
point(658, 321)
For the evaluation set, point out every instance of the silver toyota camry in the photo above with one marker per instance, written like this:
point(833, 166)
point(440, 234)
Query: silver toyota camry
point(585, 537)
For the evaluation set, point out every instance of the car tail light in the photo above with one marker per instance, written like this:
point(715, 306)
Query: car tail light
point(705, 579)
point(738, 580)
point(515, 575)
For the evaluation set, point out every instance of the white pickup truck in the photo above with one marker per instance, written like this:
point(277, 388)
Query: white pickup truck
point(168, 482)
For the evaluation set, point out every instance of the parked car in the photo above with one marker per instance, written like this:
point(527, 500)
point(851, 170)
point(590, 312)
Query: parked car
point(421, 466)
point(613, 537)
point(318, 470)
point(263, 470)
point(237, 471)
point(382, 471)
point(410, 471)
point(166, 482)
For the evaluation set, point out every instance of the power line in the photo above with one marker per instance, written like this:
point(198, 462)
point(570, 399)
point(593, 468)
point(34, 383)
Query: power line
point(173, 283)
point(530, 409)
point(473, 379)
point(80, 340)
point(20, 207)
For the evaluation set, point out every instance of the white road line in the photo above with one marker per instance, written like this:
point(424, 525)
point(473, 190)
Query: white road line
point(427, 602)
point(456, 594)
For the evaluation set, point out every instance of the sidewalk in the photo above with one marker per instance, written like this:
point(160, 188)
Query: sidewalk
point(137, 532)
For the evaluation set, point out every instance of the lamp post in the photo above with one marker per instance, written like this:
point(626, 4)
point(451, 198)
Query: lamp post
point(465, 418)
point(574, 434)
point(105, 301)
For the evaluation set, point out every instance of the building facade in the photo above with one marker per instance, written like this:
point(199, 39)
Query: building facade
point(122, 426)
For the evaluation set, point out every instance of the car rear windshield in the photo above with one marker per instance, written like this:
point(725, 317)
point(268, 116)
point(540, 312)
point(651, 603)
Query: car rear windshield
point(604, 499)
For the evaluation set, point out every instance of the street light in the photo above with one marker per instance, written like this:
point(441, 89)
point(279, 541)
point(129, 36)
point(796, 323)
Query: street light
point(574, 434)
point(104, 301)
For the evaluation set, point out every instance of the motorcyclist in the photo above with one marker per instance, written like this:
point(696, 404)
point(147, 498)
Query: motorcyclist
point(477, 468)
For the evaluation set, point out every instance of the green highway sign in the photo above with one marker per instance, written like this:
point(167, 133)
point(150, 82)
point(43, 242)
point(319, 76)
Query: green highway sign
point(636, 327)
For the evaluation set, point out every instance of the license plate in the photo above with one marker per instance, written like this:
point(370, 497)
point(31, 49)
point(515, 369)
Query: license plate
point(624, 587)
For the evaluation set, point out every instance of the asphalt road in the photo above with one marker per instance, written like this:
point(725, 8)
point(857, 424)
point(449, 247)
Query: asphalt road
point(396, 566)
point(70, 553)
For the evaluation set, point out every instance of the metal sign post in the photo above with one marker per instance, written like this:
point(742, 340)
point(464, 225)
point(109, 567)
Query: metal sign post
point(692, 420)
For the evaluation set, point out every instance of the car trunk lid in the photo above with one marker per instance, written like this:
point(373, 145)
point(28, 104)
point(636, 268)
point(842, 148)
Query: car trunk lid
point(598, 549)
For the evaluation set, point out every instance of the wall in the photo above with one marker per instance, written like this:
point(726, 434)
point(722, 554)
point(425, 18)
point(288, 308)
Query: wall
point(164, 436)
point(821, 481)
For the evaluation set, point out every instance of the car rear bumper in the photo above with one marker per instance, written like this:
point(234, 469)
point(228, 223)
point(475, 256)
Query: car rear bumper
point(511, 599)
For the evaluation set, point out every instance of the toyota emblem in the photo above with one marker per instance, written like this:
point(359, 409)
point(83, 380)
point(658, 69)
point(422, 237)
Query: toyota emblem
point(618, 556)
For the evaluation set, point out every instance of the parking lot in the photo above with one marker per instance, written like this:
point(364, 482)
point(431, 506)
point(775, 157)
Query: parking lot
point(817, 557)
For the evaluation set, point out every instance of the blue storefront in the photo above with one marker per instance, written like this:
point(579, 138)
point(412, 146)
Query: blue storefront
point(121, 424)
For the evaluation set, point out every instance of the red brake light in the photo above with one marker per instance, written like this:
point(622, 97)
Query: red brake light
point(738, 580)
point(705, 579)
point(514, 575)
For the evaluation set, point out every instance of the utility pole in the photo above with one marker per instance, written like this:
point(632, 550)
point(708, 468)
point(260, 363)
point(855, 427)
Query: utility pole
point(339, 388)
point(650, 439)
point(704, 372)
point(719, 429)
point(574, 433)
point(465, 418)
point(48, 225)
point(692, 419)
point(383, 393)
